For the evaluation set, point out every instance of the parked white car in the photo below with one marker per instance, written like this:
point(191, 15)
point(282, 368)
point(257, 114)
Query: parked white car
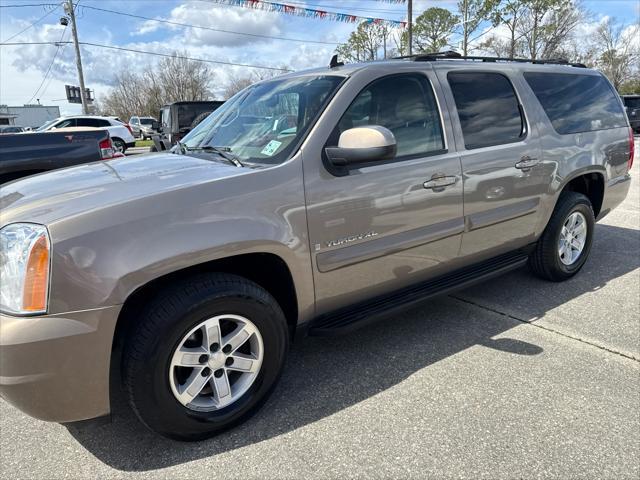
point(120, 132)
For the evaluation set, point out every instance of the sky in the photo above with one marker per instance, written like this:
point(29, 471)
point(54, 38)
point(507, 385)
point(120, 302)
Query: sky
point(31, 72)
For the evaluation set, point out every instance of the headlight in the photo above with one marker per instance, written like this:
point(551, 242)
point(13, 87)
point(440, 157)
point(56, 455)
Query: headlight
point(24, 268)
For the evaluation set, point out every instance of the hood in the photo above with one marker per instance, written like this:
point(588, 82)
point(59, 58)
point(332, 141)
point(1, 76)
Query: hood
point(50, 196)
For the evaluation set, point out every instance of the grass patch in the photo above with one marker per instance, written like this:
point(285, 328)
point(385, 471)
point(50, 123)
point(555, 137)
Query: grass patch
point(144, 143)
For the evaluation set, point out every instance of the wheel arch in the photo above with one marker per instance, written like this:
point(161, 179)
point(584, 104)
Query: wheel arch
point(273, 274)
point(590, 183)
point(124, 144)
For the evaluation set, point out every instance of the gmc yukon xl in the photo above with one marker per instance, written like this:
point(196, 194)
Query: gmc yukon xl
point(312, 203)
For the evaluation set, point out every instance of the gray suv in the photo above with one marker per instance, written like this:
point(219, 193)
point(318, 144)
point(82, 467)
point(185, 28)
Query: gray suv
point(311, 203)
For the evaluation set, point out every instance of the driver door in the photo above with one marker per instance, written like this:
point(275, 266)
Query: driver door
point(382, 226)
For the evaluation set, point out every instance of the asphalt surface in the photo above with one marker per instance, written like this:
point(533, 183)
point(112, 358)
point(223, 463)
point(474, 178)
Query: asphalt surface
point(517, 378)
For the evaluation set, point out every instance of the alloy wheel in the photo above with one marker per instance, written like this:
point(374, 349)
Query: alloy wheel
point(216, 362)
point(573, 237)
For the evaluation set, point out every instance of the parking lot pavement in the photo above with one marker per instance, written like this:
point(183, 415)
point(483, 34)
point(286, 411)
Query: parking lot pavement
point(515, 378)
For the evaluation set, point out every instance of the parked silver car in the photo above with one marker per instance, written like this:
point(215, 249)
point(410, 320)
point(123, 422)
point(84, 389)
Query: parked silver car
point(314, 203)
point(143, 127)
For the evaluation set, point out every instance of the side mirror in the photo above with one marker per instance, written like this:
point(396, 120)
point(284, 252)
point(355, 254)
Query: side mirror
point(362, 145)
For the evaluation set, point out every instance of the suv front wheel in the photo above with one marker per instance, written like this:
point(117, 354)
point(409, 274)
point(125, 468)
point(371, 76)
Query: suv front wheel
point(564, 245)
point(204, 356)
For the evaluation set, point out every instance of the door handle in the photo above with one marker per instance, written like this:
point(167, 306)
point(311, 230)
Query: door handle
point(526, 162)
point(437, 184)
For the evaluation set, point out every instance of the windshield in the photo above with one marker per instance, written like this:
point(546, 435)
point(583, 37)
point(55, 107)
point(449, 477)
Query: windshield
point(264, 122)
point(46, 125)
point(146, 121)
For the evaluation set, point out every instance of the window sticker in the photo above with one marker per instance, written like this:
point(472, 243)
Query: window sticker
point(271, 148)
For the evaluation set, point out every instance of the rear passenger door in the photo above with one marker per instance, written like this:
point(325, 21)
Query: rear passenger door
point(504, 176)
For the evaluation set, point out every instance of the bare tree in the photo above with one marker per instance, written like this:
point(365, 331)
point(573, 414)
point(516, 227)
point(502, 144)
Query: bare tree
point(235, 83)
point(172, 79)
point(498, 47)
point(547, 24)
point(618, 51)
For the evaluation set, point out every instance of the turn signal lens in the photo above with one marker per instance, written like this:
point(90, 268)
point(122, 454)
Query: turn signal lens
point(24, 268)
point(36, 282)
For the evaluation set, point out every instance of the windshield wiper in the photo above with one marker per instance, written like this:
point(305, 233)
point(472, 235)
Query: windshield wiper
point(181, 147)
point(224, 152)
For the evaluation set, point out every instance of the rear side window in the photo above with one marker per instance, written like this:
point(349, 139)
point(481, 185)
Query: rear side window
point(488, 108)
point(406, 105)
point(577, 103)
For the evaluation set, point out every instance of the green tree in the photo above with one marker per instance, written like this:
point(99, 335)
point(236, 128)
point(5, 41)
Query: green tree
point(472, 14)
point(433, 28)
point(631, 86)
point(509, 13)
point(364, 43)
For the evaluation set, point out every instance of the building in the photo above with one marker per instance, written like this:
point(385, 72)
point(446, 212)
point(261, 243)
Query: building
point(28, 115)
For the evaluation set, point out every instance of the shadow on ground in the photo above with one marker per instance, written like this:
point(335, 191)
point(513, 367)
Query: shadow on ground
point(326, 375)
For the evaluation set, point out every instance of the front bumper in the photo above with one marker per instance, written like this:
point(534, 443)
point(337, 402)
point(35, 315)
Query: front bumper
point(56, 367)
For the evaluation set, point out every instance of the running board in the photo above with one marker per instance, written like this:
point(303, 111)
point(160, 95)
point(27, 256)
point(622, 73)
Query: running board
point(355, 316)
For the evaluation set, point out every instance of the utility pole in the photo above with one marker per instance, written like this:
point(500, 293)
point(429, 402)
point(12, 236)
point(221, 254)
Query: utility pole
point(410, 24)
point(83, 93)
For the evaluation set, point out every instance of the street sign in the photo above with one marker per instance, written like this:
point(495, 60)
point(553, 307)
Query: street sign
point(73, 94)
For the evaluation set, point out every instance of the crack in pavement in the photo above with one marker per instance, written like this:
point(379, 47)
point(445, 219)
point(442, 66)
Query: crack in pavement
point(551, 330)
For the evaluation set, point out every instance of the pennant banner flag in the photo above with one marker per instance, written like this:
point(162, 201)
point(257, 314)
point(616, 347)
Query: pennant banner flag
point(309, 12)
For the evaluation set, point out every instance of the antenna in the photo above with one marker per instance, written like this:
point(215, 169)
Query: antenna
point(334, 62)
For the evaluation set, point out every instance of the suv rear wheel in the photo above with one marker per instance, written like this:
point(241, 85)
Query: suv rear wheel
point(564, 245)
point(204, 356)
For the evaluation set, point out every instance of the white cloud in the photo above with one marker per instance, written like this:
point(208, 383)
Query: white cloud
point(253, 22)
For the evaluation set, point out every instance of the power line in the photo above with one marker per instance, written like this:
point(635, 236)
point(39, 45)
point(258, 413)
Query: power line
point(146, 52)
point(22, 5)
point(170, 22)
point(205, 60)
point(55, 55)
point(33, 24)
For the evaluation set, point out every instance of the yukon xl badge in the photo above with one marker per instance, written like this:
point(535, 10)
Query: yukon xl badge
point(350, 238)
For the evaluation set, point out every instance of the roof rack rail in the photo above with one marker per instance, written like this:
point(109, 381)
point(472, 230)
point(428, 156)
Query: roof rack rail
point(448, 55)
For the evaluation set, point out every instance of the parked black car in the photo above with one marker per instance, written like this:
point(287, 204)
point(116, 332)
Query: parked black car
point(632, 106)
point(179, 118)
point(23, 155)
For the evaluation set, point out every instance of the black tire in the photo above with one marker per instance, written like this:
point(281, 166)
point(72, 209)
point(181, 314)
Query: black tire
point(153, 148)
point(119, 145)
point(545, 261)
point(170, 316)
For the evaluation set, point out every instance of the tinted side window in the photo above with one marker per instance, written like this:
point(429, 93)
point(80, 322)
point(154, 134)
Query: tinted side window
point(70, 122)
point(632, 102)
point(87, 122)
point(405, 104)
point(488, 108)
point(576, 103)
